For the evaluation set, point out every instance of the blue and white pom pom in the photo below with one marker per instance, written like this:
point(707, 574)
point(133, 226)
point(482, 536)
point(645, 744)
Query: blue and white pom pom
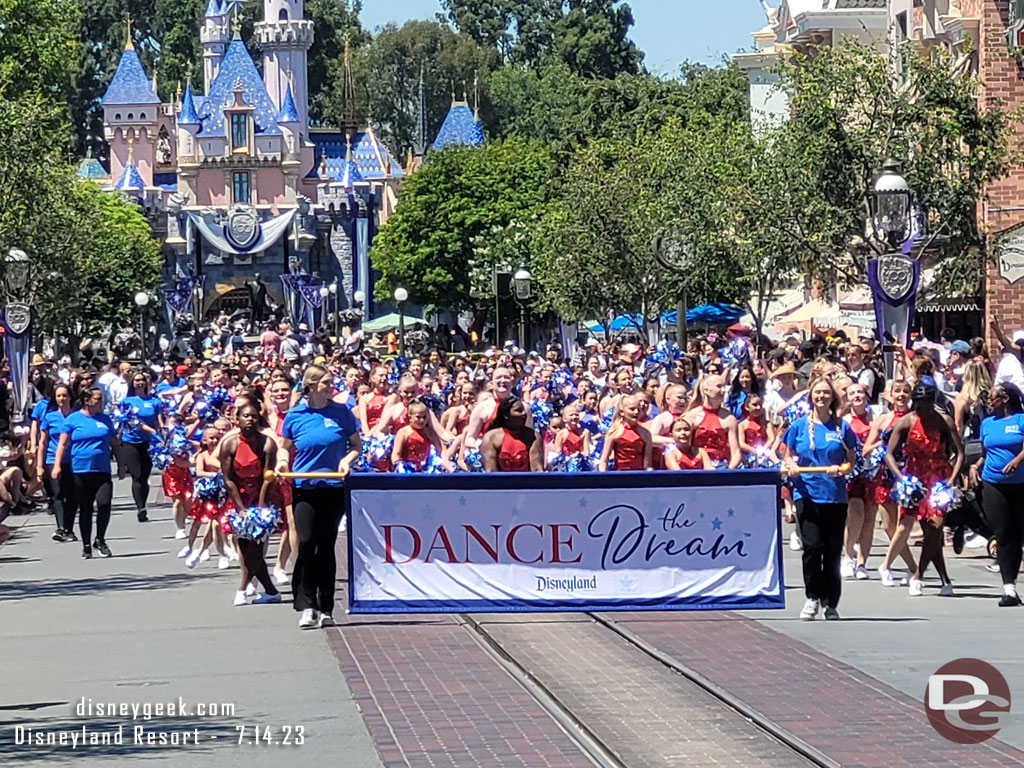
point(160, 454)
point(474, 461)
point(255, 523)
point(736, 353)
point(211, 488)
point(945, 497)
point(908, 491)
point(217, 397)
point(796, 411)
point(873, 463)
point(541, 414)
point(762, 458)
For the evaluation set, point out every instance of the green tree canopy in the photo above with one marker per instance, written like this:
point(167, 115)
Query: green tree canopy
point(454, 213)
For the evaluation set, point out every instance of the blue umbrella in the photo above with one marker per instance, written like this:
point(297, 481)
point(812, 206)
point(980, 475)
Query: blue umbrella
point(708, 314)
point(620, 323)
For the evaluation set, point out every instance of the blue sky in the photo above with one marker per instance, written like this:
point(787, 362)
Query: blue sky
point(668, 31)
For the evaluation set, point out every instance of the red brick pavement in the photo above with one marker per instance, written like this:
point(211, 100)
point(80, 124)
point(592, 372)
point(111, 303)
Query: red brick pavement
point(431, 696)
point(838, 709)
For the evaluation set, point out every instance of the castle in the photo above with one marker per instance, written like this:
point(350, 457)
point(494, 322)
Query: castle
point(236, 183)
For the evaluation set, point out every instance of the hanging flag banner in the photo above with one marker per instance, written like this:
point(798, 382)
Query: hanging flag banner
point(562, 542)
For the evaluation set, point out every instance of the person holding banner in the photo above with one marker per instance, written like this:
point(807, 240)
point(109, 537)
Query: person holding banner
point(322, 436)
point(820, 439)
point(627, 440)
point(511, 446)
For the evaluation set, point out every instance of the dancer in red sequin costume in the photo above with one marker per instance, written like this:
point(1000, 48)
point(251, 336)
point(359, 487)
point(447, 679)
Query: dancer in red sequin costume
point(626, 441)
point(928, 439)
point(714, 427)
point(511, 446)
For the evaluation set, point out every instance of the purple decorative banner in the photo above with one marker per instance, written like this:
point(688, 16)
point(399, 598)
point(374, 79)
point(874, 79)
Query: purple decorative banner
point(893, 279)
point(17, 325)
point(179, 297)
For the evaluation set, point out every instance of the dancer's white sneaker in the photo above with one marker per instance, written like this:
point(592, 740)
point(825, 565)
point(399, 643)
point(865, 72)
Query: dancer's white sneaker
point(310, 619)
point(223, 563)
point(192, 560)
point(181, 533)
point(280, 576)
point(240, 599)
point(204, 556)
point(183, 552)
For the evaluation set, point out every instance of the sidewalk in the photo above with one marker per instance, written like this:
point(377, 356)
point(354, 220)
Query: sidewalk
point(140, 628)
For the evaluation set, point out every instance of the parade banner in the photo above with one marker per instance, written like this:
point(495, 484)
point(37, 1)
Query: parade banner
point(17, 327)
point(564, 541)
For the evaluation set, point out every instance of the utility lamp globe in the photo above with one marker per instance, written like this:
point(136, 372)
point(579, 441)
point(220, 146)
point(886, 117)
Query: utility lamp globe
point(522, 279)
point(401, 295)
point(359, 297)
point(141, 299)
point(889, 198)
point(333, 288)
point(324, 291)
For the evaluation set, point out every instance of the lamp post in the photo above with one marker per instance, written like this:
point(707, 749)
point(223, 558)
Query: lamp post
point(141, 301)
point(17, 326)
point(676, 254)
point(324, 304)
point(893, 275)
point(401, 296)
point(333, 287)
point(522, 281)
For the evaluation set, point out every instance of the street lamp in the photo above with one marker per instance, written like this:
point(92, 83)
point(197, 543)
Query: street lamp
point(324, 304)
point(522, 280)
point(893, 276)
point(337, 309)
point(889, 201)
point(675, 255)
point(401, 296)
point(142, 301)
point(17, 327)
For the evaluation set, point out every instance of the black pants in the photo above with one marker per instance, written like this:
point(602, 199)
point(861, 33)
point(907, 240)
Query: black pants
point(139, 465)
point(1004, 510)
point(93, 488)
point(255, 564)
point(821, 530)
point(317, 513)
point(62, 494)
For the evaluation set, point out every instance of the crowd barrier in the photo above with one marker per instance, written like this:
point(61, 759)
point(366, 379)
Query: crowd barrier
point(628, 541)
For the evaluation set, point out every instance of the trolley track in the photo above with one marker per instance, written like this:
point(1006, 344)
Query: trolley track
point(593, 730)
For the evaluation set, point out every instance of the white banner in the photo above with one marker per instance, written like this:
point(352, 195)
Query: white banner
point(519, 542)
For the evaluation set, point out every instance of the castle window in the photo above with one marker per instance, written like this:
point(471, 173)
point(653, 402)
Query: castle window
point(117, 116)
point(239, 132)
point(131, 115)
point(142, 115)
point(240, 186)
point(283, 15)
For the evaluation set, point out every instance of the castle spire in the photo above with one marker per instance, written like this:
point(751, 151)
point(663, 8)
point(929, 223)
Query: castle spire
point(128, 45)
point(348, 93)
point(476, 96)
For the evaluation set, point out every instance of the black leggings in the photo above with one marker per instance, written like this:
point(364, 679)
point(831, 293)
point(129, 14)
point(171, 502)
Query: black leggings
point(62, 494)
point(93, 488)
point(931, 551)
point(1004, 510)
point(254, 564)
point(139, 465)
point(317, 514)
point(821, 530)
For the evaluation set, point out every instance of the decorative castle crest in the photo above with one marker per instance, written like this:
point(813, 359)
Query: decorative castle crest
point(242, 228)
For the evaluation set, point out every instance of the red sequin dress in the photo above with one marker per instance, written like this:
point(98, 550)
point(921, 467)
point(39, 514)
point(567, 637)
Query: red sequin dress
point(925, 452)
point(686, 460)
point(572, 443)
point(177, 481)
point(629, 450)
point(857, 487)
point(415, 448)
point(712, 436)
point(513, 455)
point(374, 409)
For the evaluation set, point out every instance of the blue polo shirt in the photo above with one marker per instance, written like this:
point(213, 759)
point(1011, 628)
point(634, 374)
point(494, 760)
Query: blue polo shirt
point(830, 443)
point(39, 409)
point(89, 441)
point(1002, 439)
point(163, 386)
point(147, 407)
point(52, 423)
point(320, 437)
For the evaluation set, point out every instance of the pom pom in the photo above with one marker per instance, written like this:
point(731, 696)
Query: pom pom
point(796, 411)
point(579, 463)
point(436, 403)
point(736, 353)
point(945, 497)
point(873, 463)
point(762, 458)
point(211, 490)
point(541, 414)
point(474, 461)
point(254, 523)
point(126, 418)
point(159, 455)
point(217, 397)
point(908, 492)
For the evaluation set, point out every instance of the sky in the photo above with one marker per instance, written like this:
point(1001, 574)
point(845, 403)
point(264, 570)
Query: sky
point(668, 31)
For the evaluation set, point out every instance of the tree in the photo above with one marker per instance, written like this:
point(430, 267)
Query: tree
point(589, 36)
point(37, 47)
point(388, 71)
point(332, 21)
point(452, 211)
point(849, 114)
